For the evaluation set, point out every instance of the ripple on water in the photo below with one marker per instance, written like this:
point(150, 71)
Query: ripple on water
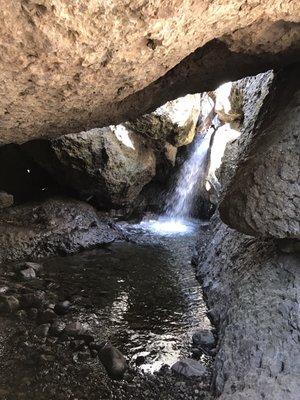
point(142, 295)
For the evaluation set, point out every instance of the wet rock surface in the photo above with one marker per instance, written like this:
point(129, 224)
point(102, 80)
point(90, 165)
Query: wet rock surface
point(88, 317)
point(263, 196)
point(54, 226)
point(252, 291)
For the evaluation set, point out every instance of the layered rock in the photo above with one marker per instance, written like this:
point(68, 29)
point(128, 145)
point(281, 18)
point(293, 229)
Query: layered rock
point(68, 66)
point(263, 196)
point(55, 226)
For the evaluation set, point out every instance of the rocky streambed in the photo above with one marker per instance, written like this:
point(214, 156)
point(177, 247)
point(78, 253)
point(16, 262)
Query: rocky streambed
point(139, 294)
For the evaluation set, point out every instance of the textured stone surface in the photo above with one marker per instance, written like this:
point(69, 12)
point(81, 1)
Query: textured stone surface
point(253, 293)
point(6, 200)
point(56, 226)
point(174, 122)
point(110, 164)
point(68, 66)
point(263, 197)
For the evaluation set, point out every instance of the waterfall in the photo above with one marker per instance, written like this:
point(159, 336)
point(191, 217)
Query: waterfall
point(180, 203)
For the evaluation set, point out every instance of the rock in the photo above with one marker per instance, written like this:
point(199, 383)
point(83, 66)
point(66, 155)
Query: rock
point(50, 227)
point(9, 304)
point(174, 122)
point(189, 368)
point(255, 291)
point(32, 313)
point(110, 164)
point(57, 327)
point(263, 196)
point(62, 85)
point(33, 300)
point(113, 361)
point(75, 329)
point(35, 266)
point(27, 274)
point(6, 200)
point(204, 339)
point(77, 345)
point(21, 315)
point(4, 289)
point(42, 330)
point(62, 308)
point(47, 316)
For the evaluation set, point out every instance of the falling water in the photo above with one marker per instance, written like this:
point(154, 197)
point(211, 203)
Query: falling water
point(180, 203)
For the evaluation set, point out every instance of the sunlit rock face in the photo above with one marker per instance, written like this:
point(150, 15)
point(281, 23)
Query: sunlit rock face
point(174, 122)
point(109, 166)
point(262, 196)
point(71, 66)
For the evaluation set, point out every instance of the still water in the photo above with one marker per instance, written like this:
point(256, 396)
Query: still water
point(141, 294)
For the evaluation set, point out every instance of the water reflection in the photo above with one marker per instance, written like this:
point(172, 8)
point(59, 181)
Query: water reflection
point(142, 296)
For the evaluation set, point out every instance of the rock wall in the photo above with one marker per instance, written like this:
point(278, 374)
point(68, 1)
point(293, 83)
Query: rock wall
point(68, 66)
point(252, 284)
point(253, 294)
point(263, 196)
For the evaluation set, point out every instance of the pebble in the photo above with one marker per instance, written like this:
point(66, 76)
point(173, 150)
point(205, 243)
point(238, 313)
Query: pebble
point(57, 327)
point(42, 330)
point(9, 304)
point(189, 368)
point(27, 274)
point(47, 316)
point(204, 339)
point(62, 308)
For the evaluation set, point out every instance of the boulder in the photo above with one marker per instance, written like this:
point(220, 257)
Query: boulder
point(110, 165)
point(50, 227)
point(263, 196)
point(174, 122)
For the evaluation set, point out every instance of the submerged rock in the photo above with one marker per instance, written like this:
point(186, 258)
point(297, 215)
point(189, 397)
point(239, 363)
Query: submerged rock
point(28, 273)
point(189, 368)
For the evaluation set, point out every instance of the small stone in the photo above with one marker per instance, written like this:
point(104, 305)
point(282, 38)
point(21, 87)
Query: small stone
point(57, 327)
point(47, 316)
point(77, 330)
point(35, 300)
point(32, 313)
point(62, 308)
point(77, 345)
point(6, 200)
point(113, 361)
point(204, 339)
point(27, 274)
point(189, 368)
point(9, 304)
point(21, 315)
point(37, 267)
point(4, 289)
point(42, 330)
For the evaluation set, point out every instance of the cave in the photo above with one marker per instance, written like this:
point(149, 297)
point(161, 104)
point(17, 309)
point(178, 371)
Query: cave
point(149, 200)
